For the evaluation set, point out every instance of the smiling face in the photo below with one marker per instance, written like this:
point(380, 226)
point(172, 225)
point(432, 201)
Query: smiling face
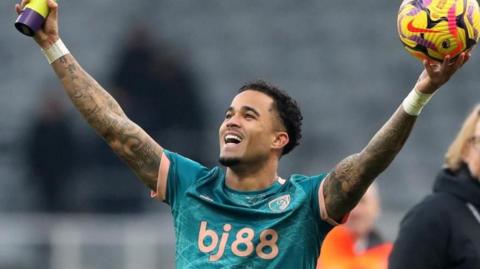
point(251, 131)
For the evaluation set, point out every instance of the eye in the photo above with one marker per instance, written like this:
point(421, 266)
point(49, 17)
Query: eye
point(228, 115)
point(249, 116)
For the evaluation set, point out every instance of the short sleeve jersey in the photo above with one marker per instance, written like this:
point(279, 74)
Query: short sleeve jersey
point(218, 227)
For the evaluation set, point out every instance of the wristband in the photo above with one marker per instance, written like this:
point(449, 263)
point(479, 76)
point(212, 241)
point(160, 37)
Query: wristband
point(57, 50)
point(415, 101)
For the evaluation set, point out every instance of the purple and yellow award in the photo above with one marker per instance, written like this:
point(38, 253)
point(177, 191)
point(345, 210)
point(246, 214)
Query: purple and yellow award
point(32, 17)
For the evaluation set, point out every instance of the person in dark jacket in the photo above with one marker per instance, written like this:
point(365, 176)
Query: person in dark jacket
point(443, 231)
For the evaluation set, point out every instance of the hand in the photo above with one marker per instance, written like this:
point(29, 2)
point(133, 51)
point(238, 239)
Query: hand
point(436, 74)
point(48, 35)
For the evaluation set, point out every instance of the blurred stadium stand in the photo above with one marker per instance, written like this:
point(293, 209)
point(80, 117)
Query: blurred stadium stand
point(85, 241)
point(342, 61)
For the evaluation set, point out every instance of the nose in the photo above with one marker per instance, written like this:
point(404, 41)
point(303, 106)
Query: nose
point(233, 121)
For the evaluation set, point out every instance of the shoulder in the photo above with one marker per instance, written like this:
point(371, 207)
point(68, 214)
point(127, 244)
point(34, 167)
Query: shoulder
point(431, 215)
point(184, 164)
point(305, 181)
point(175, 157)
point(427, 228)
point(436, 205)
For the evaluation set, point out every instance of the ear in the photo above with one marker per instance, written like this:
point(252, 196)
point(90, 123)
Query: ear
point(280, 140)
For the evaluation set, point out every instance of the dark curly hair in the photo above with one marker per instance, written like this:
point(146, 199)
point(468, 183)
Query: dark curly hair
point(287, 109)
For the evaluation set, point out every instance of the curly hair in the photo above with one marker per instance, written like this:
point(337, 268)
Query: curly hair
point(287, 109)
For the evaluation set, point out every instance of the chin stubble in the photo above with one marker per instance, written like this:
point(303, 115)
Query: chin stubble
point(228, 162)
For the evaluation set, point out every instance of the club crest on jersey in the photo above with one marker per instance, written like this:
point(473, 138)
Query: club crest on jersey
point(279, 204)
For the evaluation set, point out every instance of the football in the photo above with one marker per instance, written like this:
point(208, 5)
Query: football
point(432, 29)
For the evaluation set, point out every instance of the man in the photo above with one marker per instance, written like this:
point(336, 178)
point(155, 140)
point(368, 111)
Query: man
point(247, 216)
point(357, 244)
point(50, 165)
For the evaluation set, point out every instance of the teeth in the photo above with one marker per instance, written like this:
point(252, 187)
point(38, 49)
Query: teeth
point(232, 138)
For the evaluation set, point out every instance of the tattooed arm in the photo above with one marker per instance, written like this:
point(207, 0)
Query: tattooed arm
point(98, 107)
point(350, 179)
point(104, 114)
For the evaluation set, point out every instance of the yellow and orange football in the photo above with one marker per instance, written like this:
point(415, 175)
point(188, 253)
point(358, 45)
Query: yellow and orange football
point(432, 29)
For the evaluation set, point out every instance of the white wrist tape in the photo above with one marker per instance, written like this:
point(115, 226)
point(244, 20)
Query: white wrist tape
point(415, 101)
point(57, 50)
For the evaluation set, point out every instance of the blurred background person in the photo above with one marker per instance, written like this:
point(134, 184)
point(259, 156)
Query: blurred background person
point(50, 152)
point(160, 91)
point(443, 231)
point(357, 244)
point(156, 88)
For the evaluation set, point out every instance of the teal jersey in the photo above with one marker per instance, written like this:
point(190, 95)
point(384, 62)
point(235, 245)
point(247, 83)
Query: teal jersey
point(218, 227)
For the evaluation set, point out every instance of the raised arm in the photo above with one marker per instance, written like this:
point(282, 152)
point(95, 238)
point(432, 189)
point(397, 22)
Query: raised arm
point(97, 106)
point(130, 142)
point(347, 183)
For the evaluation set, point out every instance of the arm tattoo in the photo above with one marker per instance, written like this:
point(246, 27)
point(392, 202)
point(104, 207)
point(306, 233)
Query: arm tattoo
point(104, 114)
point(350, 179)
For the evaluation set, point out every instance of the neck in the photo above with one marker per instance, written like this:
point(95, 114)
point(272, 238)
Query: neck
point(251, 178)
